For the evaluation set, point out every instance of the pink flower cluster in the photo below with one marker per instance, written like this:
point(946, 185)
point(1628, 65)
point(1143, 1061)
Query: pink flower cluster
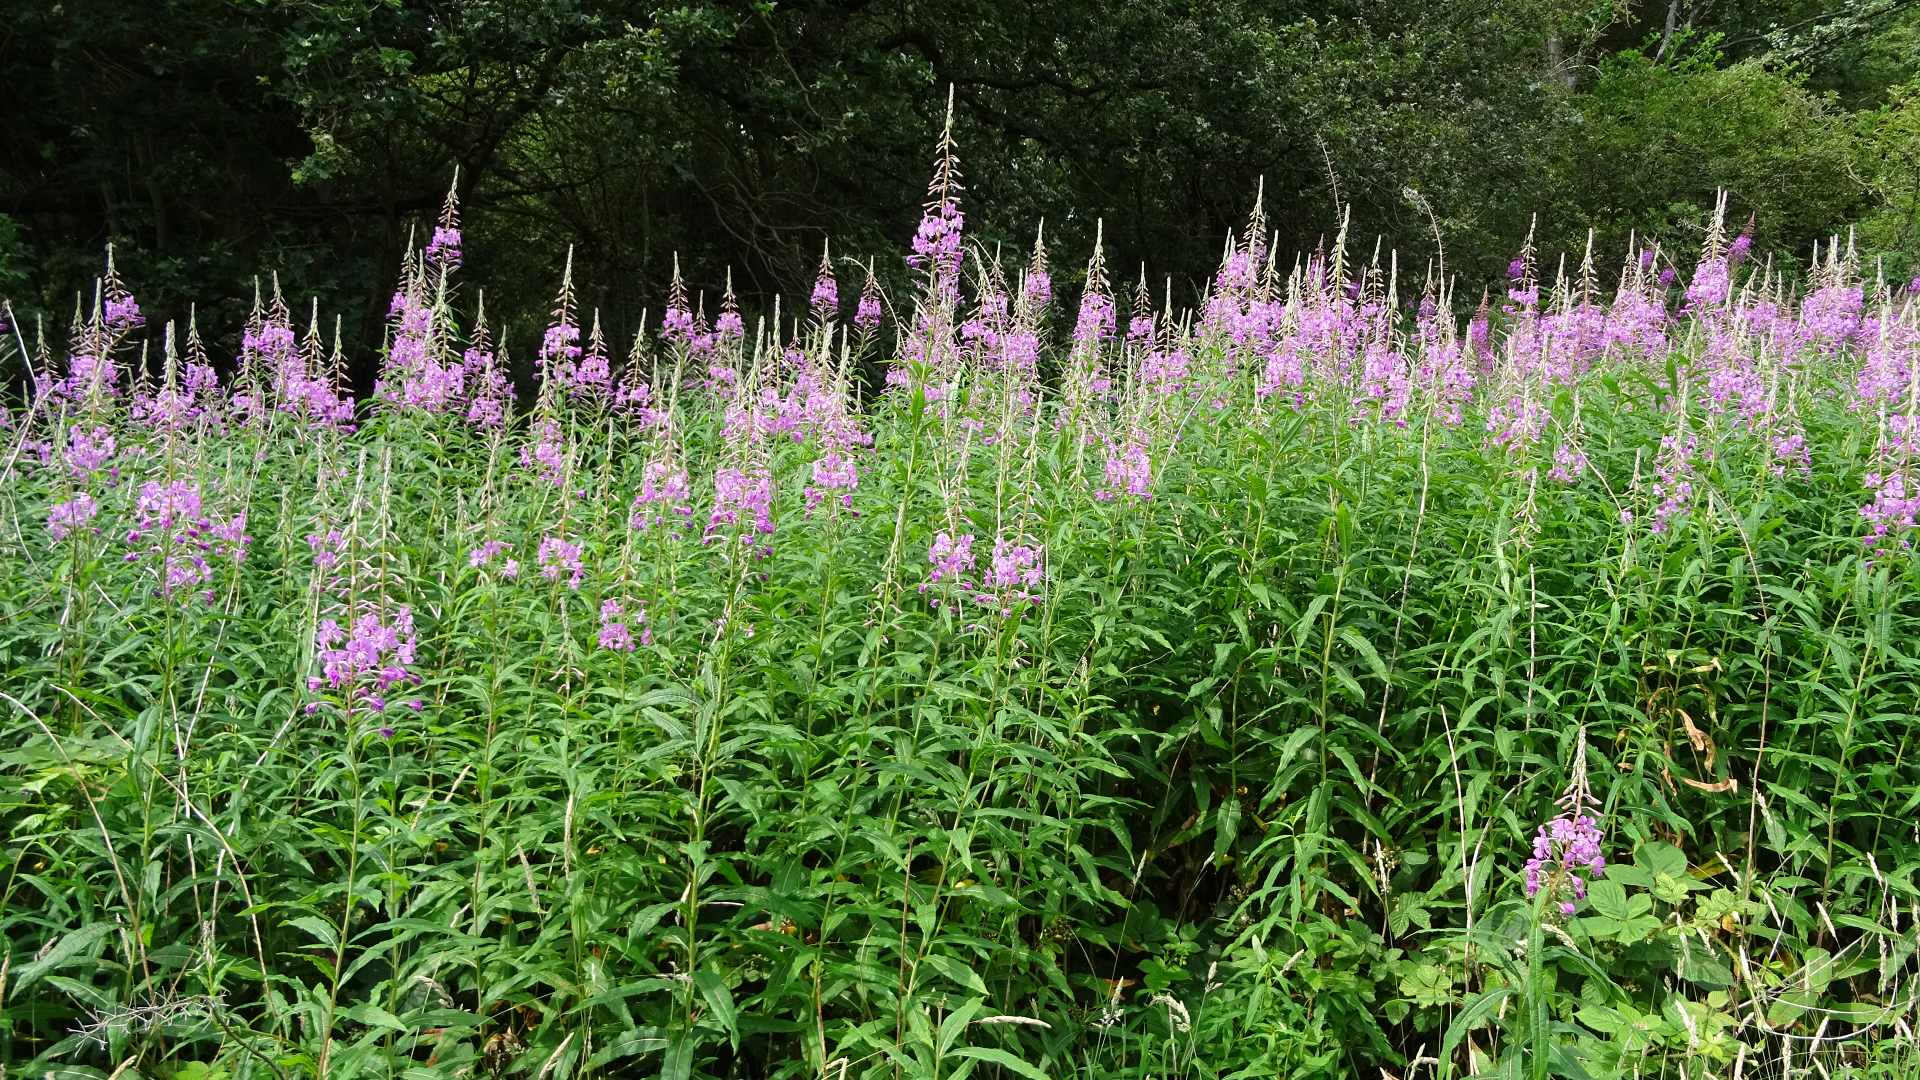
point(444, 248)
point(375, 650)
point(614, 632)
point(557, 556)
point(1012, 570)
point(481, 557)
point(1569, 462)
point(327, 548)
point(741, 497)
point(1892, 513)
point(951, 556)
point(826, 292)
point(415, 356)
point(867, 314)
point(65, 517)
point(1129, 473)
point(835, 471)
point(173, 526)
point(1673, 483)
point(88, 452)
point(663, 490)
point(1566, 855)
point(546, 452)
point(299, 388)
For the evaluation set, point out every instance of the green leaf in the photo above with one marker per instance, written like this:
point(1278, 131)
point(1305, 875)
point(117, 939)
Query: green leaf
point(995, 1056)
point(321, 929)
point(955, 971)
point(1609, 898)
point(1476, 1010)
point(1658, 857)
point(720, 1000)
point(64, 949)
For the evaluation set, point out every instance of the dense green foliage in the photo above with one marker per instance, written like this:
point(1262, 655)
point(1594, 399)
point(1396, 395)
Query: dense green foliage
point(214, 140)
point(1225, 762)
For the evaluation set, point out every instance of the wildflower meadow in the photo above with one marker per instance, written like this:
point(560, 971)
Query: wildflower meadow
point(1018, 676)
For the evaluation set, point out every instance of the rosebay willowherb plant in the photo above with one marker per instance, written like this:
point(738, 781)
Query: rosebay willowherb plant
point(1255, 691)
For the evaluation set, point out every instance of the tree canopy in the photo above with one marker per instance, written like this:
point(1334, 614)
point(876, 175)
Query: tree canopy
point(212, 140)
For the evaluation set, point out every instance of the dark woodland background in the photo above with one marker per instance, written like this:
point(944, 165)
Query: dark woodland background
point(212, 141)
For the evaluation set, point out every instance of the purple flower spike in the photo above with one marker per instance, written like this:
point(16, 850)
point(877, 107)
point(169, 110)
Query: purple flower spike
point(951, 556)
point(1566, 855)
point(826, 292)
point(64, 518)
